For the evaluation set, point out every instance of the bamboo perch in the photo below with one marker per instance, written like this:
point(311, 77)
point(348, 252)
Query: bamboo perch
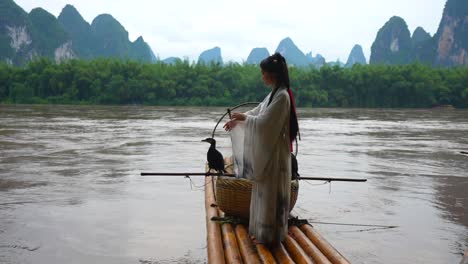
point(187, 174)
point(234, 175)
point(331, 179)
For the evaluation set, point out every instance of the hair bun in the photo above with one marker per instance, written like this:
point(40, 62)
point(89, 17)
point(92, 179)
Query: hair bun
point(279, 57)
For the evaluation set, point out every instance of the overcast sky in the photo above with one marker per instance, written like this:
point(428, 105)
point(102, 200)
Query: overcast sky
point(184, 28)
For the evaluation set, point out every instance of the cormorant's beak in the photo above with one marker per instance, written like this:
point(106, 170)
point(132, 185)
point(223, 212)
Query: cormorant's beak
point(204, 140)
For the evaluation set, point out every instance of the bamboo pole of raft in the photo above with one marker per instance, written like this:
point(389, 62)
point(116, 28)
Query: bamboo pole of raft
point(265, 254)
point(296, 252)
point(247, 249)
point(465, 258)
point(213, 232)
point(231, 248)
point(328, 250)
point(309, 247)
point(281, 255)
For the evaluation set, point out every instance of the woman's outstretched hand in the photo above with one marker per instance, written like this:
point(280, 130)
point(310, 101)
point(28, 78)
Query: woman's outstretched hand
point(234, 119)
point(239, 116)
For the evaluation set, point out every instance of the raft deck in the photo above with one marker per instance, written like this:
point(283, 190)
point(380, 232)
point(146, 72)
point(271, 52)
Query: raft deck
point(231, 243)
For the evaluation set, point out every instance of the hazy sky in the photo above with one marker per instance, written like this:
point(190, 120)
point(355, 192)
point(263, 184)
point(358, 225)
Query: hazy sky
point(187, 28)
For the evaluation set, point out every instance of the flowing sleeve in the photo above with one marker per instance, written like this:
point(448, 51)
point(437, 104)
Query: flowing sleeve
point(262, 134)
point(237, 140)
point(256, 110)
point(242, 167)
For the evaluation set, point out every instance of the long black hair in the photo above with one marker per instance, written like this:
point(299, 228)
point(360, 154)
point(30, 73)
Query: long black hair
point(276, 65)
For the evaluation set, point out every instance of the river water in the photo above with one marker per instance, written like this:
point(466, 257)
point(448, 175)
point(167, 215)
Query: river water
point(70, 190)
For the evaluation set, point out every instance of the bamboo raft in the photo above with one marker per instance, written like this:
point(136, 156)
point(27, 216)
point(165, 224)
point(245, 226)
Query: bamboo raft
point(231, 243)
point(465, 258)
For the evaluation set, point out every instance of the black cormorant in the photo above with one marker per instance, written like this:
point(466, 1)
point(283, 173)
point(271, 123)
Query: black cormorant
point(215, 158)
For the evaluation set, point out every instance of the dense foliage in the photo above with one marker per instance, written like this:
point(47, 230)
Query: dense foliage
point(112, 81)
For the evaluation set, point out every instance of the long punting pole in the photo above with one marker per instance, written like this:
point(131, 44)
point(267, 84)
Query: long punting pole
point(331, 179)
point(187, 174)
point(234, 175)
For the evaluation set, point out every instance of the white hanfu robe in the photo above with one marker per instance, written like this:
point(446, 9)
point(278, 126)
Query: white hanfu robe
point(267, 162)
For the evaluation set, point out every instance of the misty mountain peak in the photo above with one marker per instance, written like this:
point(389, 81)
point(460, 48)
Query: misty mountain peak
point(257, 55)
point(356, 56)
point(211, 56)
point(420, 35)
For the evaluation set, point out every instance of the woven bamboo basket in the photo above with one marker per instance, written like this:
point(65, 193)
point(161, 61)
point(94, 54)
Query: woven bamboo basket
point(233, 195)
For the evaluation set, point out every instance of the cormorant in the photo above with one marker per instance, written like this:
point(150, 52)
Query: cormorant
point(215, 158)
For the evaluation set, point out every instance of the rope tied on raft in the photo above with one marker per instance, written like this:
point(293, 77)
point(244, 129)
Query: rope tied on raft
point(230, 220)
point(235, 220)
point(194, 186)
point(295, 221)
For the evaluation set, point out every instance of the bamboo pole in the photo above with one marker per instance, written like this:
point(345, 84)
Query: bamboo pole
point(213, 232)
point(296, 252)
point(328, 250)
point(465, 258)
point(331, 179)
point(231, 248)
point(265, 254)
point(188, 174)
point(309, 247)
point(247, 249)
point(281, 255)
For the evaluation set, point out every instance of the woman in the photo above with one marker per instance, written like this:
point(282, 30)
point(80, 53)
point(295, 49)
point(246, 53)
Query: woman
point(269, 130)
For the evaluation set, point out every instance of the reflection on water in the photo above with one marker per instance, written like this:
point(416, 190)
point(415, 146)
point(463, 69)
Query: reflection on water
point(70, 190)
point(451, 198)
point(408, 157)
point(6, 184)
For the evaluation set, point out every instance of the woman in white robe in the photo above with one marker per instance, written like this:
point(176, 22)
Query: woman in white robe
point(266, 153)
